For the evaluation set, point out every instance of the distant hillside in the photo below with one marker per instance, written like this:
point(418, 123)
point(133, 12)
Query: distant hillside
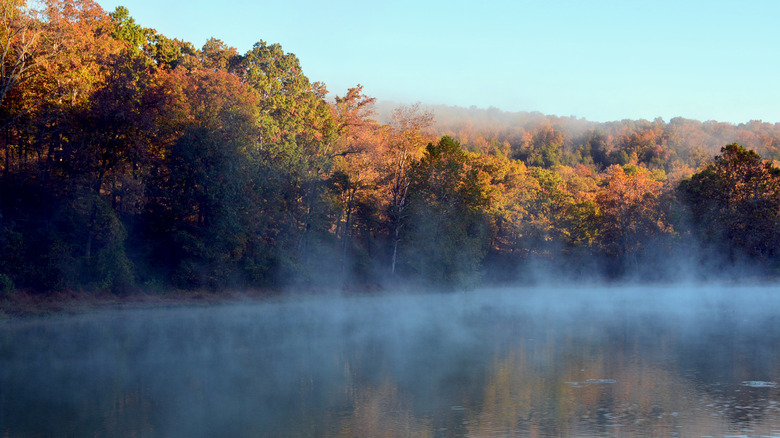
point(690, 141)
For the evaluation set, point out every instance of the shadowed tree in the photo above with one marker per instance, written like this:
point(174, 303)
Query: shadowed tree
point(446, 241)
point(735, 204)
point(297, 135)
point(201, 208)
point(53, 143)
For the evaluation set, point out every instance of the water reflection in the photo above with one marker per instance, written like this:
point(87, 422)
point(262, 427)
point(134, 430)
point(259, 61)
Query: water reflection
point(641, 362)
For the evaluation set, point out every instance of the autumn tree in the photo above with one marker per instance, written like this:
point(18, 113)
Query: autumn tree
point(408, 136)
point(735, 204)
point(357, 154)
point(24, 46)
point(132, 158)
point(646, 145)
point(107, 158)
point(54, 147)
point(202, 204)
point(508, 190)
point(217, 55)
point(579, 215)
point(594, 148)
point(545, 148)
point(630, 213)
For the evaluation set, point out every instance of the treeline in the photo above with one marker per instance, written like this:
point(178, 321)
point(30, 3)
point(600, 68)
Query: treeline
point(130, 160)
point(675, 144)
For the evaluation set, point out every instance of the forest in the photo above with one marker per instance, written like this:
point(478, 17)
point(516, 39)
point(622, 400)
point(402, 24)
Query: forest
point(133, 161)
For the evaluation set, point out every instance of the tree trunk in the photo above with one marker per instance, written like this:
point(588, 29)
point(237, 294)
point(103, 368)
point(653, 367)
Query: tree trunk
point(347, 231)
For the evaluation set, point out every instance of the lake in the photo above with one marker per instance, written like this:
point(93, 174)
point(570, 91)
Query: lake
point(629, 361)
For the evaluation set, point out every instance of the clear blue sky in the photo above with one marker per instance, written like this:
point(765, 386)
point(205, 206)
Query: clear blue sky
point(601, 60)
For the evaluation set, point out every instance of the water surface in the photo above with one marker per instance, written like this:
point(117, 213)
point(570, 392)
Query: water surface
point(645, 361)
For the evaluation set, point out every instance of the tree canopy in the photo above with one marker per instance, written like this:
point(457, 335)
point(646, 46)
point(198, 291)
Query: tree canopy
point(134, 161)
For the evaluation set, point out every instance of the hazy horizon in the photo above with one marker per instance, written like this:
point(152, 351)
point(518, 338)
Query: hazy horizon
point(385, 107)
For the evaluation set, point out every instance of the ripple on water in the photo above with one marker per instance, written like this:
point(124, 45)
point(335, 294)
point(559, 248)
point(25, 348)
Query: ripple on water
point(589, 382)
point(759, 384)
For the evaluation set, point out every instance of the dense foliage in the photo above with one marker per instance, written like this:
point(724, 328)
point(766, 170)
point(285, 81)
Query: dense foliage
point(130, 160)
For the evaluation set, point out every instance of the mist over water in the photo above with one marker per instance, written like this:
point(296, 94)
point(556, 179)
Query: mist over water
point(628, 361)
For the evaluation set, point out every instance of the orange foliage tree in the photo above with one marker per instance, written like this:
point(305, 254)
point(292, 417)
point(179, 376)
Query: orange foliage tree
point(630, 212)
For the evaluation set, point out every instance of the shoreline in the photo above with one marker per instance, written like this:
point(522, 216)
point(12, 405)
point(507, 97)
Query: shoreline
point(22, 304)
